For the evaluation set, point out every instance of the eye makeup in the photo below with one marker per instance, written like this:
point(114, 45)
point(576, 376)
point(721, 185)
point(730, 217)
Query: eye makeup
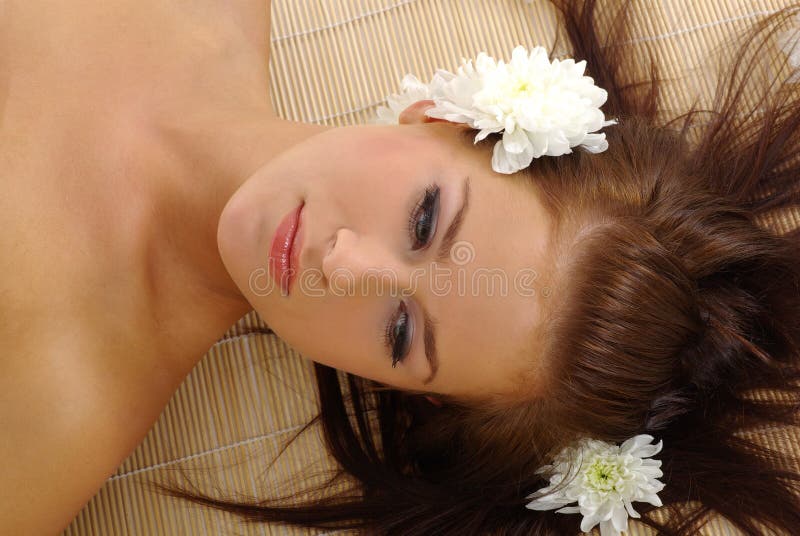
point(422, 223)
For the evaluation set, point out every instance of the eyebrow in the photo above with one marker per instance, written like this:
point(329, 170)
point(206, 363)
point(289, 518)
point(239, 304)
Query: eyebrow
point(442, 255)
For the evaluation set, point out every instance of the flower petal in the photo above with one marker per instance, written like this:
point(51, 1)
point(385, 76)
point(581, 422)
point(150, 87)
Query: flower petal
point(630, 509)
point(652, 498)
point(516, 142)
point(619, 518)
point(558, 144)
point(589, 521)
point(548, 502)
point(508, 163)
point(595, 143)
point(607, 529)
point(629, 446)
point(569, 510)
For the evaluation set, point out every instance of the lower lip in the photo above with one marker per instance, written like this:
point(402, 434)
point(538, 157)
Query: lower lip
point(283, 252)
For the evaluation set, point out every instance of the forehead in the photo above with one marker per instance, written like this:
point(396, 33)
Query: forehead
point(499, 283)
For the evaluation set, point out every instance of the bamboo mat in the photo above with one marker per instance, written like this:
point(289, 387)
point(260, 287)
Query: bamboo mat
point(333, 62)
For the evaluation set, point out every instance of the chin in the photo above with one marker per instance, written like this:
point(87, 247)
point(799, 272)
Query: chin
point(236, 230)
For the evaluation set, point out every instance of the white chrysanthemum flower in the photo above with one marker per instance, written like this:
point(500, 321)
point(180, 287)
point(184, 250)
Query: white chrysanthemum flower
point(604, 479)
point(789, 42)
point(541, 108)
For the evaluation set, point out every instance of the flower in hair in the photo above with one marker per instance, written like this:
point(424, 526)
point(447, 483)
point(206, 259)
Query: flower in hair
point(604, 479)
point(540, 107)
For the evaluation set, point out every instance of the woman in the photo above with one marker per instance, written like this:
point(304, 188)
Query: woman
point(660, 305)
point(693, 303)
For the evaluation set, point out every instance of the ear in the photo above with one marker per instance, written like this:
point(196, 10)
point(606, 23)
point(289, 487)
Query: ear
point(415, 113)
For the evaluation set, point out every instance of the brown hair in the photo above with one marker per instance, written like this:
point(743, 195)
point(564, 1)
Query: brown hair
point(675, 311)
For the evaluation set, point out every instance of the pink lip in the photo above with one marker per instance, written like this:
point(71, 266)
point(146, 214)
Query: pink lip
point(284, 252)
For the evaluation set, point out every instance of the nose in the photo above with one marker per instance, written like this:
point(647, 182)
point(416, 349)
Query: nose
point(359, 262)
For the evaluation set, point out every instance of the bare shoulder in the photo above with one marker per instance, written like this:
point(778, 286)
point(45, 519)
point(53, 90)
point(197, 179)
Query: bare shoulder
point(69, 420)
point(53, 457)
point(78, 391)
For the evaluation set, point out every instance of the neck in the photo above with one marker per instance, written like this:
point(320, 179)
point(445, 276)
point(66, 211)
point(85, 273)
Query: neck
point(210, 155)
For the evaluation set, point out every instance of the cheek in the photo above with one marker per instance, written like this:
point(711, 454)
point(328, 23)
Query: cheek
point(376, 165)
point(335, 331)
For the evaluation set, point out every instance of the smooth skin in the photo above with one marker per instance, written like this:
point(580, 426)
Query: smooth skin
point(124, 128)
point(135, 140)
point(359, 264)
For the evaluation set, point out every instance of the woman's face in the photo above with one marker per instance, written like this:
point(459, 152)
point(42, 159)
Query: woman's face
point(369, 239)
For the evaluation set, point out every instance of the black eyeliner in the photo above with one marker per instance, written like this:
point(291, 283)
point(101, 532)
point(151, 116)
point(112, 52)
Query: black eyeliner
point(430, 201)
point(388, 340)
point(430, 197)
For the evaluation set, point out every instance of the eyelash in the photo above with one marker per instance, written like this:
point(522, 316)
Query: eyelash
point(430, 199)
point(398, 353)
point(428, 207)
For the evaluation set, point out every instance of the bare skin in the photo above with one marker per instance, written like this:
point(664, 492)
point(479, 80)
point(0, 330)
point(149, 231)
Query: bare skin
point(144, 171)
point(111, 114)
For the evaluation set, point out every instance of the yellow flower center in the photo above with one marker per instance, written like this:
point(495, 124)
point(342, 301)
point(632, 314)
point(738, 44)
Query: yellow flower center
point(522, 88)
point(603, 475)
